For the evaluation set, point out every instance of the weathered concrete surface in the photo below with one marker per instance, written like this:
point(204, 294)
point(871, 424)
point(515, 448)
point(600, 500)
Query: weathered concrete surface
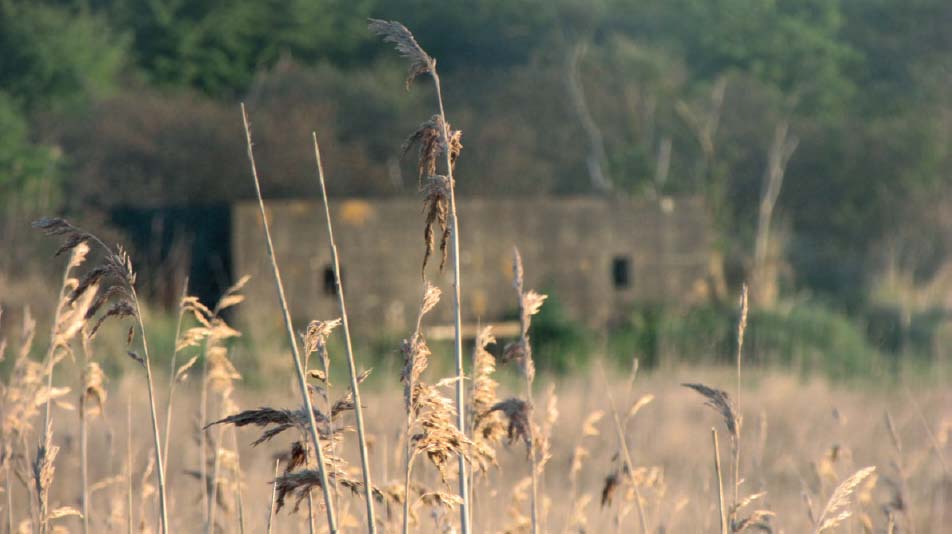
point(568, 245)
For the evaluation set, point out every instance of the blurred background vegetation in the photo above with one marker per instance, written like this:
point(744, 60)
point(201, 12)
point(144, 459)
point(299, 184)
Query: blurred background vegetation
point(112, 105)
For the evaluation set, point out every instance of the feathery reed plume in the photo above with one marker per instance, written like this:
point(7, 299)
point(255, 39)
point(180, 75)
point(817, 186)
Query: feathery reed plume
point(113, 280)
point(20, 398)
point(430, 428)
point(300, 482)
point(193, 337)
point(210, 331)
point(487, 426)
point(741, 328)
point(398, 34)
point(288, 324)
point(837, 508)
point(520, 412)
point(720, 402)
point(422, 63)
point(351, 362)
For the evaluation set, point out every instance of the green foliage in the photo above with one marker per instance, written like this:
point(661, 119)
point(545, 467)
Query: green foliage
point(55, 58)
point(558, 342)
point(27, 171)
point(218, 47)
point(806, 337)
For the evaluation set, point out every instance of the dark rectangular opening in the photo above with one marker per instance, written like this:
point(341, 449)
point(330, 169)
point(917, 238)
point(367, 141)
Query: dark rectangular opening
point(330, 283)
point(621, 272)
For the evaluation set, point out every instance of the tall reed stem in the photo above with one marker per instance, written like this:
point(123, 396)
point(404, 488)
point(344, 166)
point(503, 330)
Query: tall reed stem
point(351, 364)
point(289, 326)
point(722, 513)
point(534, 511)
point(457, 313)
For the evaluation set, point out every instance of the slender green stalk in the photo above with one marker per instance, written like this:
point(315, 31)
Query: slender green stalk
point(240, 508)
point(130, 519)
point(172, 381)
point(720, 483)
point(157, 441)
point(351, 364)
point(623, 444)
point(9, 491)
point(274, 487)
point(203, 436)
point(406, 489)
point(213, 496)
point(84, 442)
point(289, 326)
point(534, 512)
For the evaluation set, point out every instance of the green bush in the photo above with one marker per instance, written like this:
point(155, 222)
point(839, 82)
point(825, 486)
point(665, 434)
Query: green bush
point(807, 337)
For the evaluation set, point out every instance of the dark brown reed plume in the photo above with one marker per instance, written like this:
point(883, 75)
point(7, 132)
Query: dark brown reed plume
point(720, 402)
point(440, 199)
point(288, 324)
point(351, 363)
point(113, 282)
point(430, 428)
point(295, 481)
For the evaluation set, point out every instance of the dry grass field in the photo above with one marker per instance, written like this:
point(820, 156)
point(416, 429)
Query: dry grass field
point(799, 441)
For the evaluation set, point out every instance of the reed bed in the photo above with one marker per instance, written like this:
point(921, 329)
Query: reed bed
point(519, 453)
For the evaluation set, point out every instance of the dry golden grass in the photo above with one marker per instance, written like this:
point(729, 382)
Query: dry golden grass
point(805, 439)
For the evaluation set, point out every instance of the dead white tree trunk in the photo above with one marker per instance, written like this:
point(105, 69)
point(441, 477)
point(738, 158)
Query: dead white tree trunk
point(597, 159)
point(778, 156)
point(704, 124)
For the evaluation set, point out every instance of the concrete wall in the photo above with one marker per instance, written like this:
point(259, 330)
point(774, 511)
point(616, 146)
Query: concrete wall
point(568, 245)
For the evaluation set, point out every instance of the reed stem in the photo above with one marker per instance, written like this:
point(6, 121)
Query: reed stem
point(722, 517)
point(289, 326)
point(351, 364)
